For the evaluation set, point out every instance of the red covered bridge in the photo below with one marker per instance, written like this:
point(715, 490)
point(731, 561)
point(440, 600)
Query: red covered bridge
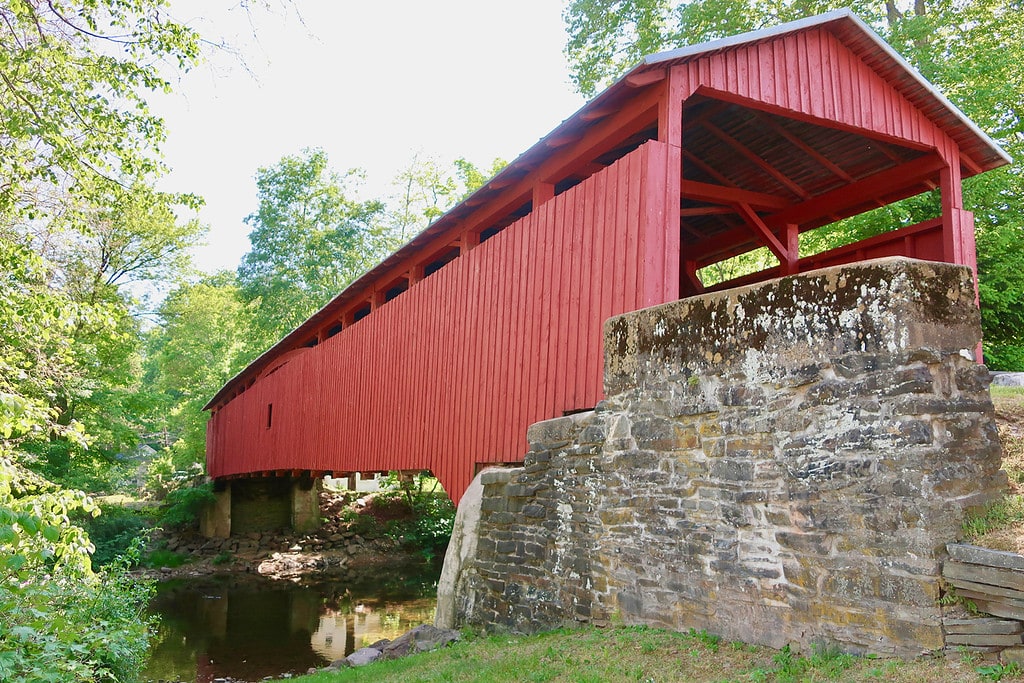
point(490, 320)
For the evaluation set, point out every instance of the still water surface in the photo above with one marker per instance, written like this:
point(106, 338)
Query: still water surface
point(248, 627)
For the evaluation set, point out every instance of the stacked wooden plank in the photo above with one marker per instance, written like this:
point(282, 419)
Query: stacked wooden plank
point(993, 580)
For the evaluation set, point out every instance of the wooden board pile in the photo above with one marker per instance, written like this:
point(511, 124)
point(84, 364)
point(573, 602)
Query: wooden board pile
point(993, 582)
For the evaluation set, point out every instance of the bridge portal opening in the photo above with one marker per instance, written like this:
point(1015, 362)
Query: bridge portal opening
point(766, 193)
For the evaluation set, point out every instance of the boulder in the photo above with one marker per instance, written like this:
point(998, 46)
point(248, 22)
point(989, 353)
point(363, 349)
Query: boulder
point(363, 656)
point(420, 639)
point(1008, 379)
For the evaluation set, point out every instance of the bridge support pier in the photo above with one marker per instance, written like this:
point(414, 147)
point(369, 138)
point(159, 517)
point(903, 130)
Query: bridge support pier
point(215, 519)
point(305, 504)
point(262, 504)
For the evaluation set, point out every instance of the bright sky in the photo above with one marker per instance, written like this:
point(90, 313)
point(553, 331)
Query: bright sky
point(373, 82)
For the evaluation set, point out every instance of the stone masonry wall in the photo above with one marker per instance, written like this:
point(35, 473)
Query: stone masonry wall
point(778, 464)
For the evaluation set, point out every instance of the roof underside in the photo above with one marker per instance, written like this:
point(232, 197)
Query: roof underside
point(781, 162)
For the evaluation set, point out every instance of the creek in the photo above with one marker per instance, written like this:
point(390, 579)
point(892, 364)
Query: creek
point(246, 627)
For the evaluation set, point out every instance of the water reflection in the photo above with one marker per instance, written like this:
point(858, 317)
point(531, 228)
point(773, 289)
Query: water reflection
point(342, 633)
point(248, 627)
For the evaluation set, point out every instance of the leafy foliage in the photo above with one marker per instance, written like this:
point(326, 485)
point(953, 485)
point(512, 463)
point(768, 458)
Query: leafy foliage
point(62, 622)
point(115, 531)
point(199, 346)
point(425, 189)
point(80, 219)
point(427, 527)
point(185, 504)
point(414, 512)
point(309, 239)
point(73, 80)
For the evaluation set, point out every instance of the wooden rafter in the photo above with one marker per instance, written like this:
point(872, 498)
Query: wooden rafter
point(685, 228)
point(562, 140)
point(645, 78)
point(824, 161)
point(711, 108)
point(707, 168)
point(761, 230)
point(705, 211)
point(756, 160)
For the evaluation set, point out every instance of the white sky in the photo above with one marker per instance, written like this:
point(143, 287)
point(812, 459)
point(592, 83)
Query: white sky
point(372, 82)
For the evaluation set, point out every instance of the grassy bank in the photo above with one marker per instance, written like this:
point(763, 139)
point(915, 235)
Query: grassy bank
point(593, 655)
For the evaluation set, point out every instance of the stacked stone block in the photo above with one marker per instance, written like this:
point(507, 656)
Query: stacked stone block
point(533, 564)
point(779, 464)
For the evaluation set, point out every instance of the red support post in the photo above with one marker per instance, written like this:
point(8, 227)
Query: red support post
point(542, 192)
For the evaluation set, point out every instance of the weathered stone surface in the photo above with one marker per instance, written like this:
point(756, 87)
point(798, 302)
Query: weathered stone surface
point(496, 475)
point(984, 640)
point(972, 554)
point(363, 656)
point(781, 464)
point(1008, 379)
point(990, 592)
point(1000, 607)
point(463, 544)
point(1013, 655)
point(420, 639)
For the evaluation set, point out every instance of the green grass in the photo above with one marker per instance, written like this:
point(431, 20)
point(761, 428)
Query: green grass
point(1007, 392)
point(632, 653)
point(1009, 510)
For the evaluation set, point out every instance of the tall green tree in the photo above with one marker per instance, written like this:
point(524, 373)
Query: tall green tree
point(74, 75)
point(79, 166)
point(309, 239)
point(199, 346)
point(425, 189)
point(972, 50)
point(100, 265)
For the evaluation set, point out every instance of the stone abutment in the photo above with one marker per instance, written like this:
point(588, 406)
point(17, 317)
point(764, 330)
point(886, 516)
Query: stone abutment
point(778, 464)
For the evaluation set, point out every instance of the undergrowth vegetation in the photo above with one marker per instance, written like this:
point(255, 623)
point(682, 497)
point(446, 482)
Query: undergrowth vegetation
point(414, 512)
point(59, 619)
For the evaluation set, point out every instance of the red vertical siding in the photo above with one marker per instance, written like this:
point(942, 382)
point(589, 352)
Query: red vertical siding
point(452, 372)
point(814, 74)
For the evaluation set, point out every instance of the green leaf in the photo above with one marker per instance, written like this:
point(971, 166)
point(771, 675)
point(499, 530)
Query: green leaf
point(29, 523)
point(15, 562)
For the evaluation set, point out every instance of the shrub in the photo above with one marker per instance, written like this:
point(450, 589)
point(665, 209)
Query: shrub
point(61, 621)
point(170, 470)
point(427, 527)
point(114, 531)
point(164, 558)
point(183, 505)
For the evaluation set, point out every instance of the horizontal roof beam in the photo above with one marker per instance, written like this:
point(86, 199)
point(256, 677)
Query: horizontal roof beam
point(719, 194)
point(839, 200)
